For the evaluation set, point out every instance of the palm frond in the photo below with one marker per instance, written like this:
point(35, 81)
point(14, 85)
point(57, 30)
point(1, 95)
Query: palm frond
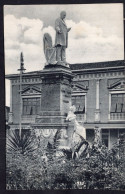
point(14, 142)
point(57, 137)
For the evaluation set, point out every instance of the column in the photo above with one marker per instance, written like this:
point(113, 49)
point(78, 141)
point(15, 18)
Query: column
point(109, 140)
point(97, 94)
point(109, 106)
point(97, 111)
point(10, 113)
point(85, 108)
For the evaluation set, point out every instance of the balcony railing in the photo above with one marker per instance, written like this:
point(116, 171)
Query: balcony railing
point(117, 116)
point(28, 118)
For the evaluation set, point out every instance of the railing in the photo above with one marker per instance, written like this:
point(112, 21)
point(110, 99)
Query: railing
point(28, 118)
point(117, 116)
point(31, 118)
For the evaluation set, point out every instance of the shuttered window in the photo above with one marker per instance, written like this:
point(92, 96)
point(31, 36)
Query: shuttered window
point(79, 102)
point(117, 103)
point(31, 106)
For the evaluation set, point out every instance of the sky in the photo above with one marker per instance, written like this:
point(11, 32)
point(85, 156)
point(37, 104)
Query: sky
point(96, 34)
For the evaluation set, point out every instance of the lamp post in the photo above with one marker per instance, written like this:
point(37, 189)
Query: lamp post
point(22, 69)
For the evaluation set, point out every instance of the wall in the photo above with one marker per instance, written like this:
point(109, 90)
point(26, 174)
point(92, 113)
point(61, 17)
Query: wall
point(15, 103)
point(91, 101)
point(104, 100)
point(16, 100)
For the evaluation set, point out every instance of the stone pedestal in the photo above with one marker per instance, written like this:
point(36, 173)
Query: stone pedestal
point(55, 97)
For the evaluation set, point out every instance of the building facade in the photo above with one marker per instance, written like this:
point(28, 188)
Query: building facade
point(7, 111)
point(98, 92)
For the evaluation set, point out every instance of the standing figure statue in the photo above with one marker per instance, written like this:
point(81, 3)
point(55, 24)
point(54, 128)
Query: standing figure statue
point(78, 140)
point(61, 40)
point(78, 129)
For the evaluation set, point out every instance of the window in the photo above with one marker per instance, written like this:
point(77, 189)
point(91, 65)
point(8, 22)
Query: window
point(117, 103)
point(79, 102)
point(31, 106)
point(90, 135)
point(105, 137)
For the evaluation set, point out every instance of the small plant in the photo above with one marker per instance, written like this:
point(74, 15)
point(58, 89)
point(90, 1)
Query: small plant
point(23, 144)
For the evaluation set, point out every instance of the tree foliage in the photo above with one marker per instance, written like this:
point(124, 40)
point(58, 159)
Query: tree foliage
point(96, 168)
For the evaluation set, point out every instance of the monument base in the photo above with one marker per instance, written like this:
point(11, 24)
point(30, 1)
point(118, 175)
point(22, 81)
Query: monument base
point(56, 94)
point(51, 117)
point(55, 100)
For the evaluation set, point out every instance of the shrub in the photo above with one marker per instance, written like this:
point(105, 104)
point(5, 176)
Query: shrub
point(98, 168)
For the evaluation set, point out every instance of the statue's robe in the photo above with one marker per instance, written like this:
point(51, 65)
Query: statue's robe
point(80, 130)
point(61, 38)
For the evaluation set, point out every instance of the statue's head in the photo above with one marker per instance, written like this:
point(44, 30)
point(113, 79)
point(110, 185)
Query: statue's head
point(63, 14)
point(72, 108)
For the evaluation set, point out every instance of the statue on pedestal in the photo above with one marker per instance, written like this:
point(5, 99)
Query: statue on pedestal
point(57, 54)
point(61, 40)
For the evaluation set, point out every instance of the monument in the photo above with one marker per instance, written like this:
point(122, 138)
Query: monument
point(61, 40)
point(56, 81)
point(57, 54)
point(57, 116)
